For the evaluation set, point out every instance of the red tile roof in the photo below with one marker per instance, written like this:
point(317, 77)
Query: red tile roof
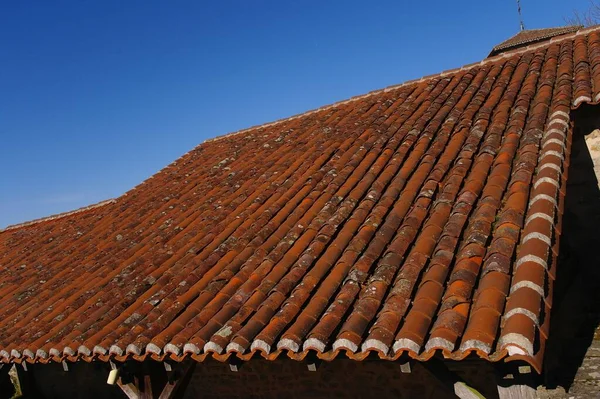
point(531, 36)
point(417, 219)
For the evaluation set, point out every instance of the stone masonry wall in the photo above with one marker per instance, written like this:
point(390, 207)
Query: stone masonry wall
point(572, 360)
point(341, 378)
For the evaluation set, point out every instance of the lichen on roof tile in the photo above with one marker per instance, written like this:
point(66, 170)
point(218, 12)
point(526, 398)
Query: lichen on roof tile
point(413, 220)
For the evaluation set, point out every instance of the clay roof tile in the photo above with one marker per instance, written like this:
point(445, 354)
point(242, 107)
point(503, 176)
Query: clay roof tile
point(414, 219)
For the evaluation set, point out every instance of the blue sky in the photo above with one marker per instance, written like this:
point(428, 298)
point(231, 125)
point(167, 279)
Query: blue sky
point(96, 96)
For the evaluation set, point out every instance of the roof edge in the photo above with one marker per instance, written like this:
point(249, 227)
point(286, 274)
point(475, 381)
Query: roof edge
point(123, 355)
point(466, 67)
point(551, 33)
point(58, 215)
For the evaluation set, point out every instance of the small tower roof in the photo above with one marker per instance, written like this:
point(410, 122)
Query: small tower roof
point(529, 36)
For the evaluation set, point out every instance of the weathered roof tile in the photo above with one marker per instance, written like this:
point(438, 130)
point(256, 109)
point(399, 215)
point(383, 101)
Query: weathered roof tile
point(409, 220)
point(531, 36)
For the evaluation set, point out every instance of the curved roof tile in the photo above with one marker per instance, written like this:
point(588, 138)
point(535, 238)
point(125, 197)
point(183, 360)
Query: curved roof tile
point(531, 36)
point(417, 219)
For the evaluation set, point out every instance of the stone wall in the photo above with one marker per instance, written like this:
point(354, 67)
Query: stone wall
point(340, 378)
point(572, 360)
point(282, 378)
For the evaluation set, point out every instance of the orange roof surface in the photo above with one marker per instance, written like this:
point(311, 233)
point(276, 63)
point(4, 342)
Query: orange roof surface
point(417, 219)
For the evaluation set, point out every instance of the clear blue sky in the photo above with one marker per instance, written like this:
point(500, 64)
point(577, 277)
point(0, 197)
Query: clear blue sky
point(96, 96)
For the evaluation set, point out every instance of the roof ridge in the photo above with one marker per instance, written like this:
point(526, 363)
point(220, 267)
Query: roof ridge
point(58, 215)
point(525, 36)
point(554, 28)
point(505, 54)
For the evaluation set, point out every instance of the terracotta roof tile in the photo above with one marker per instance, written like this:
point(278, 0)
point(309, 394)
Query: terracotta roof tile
point(530, 36)
point(419, 218)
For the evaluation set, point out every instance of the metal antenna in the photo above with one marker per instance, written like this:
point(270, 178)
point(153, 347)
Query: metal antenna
point(520, 15)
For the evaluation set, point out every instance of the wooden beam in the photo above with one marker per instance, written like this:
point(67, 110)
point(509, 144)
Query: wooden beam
point(147, 391)
point(516, 391)
point(182, 378)
point(463, 391)
point(128, 383)
point(130, 390)
point(517, 384)
point(169, 391)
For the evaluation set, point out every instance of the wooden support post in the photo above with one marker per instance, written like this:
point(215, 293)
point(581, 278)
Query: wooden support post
point(123, 377)
point(146, 393)
point(178, 380)
point(129, 389)
point(135, 380)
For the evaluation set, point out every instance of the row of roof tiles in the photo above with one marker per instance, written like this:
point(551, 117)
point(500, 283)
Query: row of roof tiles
point(420, 219)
